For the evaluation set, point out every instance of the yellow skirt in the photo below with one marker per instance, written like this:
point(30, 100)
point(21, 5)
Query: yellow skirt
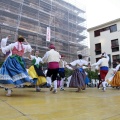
point(116, 80)
point(41, 80)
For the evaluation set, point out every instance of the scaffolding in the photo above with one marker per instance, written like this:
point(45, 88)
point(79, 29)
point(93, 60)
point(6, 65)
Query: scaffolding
point(31, 18)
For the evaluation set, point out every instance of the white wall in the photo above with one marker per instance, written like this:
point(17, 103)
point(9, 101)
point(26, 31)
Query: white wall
point(105, 40)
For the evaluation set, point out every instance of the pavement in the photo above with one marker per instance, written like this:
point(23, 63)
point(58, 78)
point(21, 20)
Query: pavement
point(89, 104)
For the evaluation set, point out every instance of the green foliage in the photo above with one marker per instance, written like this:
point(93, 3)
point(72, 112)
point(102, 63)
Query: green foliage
point(68, 72)
point(92, 74)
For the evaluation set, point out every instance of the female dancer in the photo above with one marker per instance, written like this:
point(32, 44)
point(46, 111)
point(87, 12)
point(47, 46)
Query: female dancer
point(115, 82)
point(13, 71)
point(36, 72)
point(78, 77)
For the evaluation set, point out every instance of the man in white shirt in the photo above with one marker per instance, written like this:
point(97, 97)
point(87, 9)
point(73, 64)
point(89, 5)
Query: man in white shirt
point(103, 63)
point(52, 57)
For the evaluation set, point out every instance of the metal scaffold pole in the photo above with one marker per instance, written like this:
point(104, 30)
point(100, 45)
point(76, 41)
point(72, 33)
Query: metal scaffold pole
point(19, 19)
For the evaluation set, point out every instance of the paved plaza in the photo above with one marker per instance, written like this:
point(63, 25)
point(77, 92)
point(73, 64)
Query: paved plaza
point(91, 104)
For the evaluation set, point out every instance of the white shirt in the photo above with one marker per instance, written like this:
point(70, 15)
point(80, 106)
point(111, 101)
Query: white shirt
point(47, 55)
point(62, 63)
point(38, 59)
point(27, 48)
point(79, 62)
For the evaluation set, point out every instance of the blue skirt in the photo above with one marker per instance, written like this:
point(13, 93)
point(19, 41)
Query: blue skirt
point(87, 80)
point(12, 73)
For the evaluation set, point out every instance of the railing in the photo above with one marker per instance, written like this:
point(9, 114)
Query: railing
point(9, 8)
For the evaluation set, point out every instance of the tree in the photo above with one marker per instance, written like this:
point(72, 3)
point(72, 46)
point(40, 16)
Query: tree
point(92, 75)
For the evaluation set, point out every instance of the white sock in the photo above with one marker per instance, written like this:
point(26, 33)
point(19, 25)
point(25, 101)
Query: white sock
point(104, 84)
point(9, 91)
point(55, 85)
point(49, 80)
point(61, 83)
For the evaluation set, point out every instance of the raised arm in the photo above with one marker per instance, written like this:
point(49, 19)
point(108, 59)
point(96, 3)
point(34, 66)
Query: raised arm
point(27, 47)
point(5, 48)
point(4, 41)
point(97, 63)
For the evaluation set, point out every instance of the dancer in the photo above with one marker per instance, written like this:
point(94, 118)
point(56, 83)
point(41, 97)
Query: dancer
point(78, 77)
point(52, 57)
point(62, 65)
point(100, 82)
point(115, 82)
point(13, 71)
point(103, 63)
point(36, 72)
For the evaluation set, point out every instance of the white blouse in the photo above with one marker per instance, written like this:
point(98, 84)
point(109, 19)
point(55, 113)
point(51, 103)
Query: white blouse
point(27, 48)
point(79, 62)
point(38, 59)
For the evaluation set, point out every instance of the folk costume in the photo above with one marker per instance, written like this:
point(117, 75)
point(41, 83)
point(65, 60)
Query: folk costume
point(52, 57)
point(115, 82)
point(13, 71)
point(103, 63)
point(36, 72)
point(62, 66)
point(78, 76)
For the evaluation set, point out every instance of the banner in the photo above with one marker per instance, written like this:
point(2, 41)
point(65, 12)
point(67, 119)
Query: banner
point(48, 35)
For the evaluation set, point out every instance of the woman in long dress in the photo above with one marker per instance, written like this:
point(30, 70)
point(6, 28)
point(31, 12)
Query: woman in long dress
point(78, 77)
point(115, 82)
point(36, 72)
point(13, 71)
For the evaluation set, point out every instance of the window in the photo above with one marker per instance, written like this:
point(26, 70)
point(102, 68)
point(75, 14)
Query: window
point(97, 33)
point(112, 28)
point(114, 45)
point(98, 48)
point(115, 59)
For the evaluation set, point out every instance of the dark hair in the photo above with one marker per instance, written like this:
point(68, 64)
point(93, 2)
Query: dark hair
point(20, 38)
point(79, 56)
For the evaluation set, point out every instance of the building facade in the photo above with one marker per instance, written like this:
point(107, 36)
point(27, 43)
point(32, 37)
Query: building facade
point(31, 18)
point(105, 38)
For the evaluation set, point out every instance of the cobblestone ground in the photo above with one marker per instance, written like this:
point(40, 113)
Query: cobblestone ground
point(90, 104)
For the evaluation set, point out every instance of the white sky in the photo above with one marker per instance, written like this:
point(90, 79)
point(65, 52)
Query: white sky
point(98, 11)
point(101, 11)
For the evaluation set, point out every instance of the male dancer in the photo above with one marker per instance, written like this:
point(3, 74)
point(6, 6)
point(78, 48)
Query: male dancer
point(62, 65)
point(52, 57)
point(103, 63)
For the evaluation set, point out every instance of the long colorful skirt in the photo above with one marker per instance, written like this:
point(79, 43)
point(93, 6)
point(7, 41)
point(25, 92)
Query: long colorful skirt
point(115, 82)
point(13, 73)
point(78, 79)
point(37, 75)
